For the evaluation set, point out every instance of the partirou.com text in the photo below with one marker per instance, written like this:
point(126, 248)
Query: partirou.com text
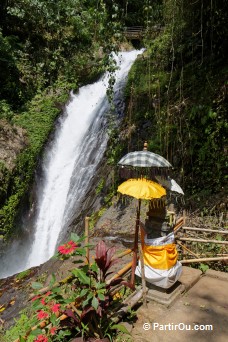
point(179, 326)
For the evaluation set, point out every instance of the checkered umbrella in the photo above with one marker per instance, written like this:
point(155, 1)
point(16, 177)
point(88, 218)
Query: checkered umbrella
point(144, 159)
point(143, 163)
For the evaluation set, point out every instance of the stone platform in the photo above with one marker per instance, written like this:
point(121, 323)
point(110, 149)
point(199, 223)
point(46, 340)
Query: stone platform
point(167, 297)
point(199, 314)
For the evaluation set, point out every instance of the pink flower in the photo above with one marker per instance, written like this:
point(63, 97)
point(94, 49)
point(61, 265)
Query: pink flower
point(55, 307)
point(53, 330)
point(42, 314)
point(67, 248)
point(41, 338)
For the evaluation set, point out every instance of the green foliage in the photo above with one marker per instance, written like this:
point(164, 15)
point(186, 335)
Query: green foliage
point(4, 179)
point(177, 89)
point(20, 327)
point(179, 97)
point(46, 49)
point(44, 41)
point(38, 122)
point(5, 111)
point(100, 186)
point(9, 74)
point(22, 275)
point(203, 267)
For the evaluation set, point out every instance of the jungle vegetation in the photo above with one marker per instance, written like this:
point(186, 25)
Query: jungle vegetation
point(176, 94)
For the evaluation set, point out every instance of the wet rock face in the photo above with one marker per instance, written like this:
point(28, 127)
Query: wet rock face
point(119, 220)
point(92, 202)
point(12, 140)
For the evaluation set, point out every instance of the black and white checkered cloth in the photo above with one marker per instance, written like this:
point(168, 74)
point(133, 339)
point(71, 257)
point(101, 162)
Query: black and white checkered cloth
point(144, 159)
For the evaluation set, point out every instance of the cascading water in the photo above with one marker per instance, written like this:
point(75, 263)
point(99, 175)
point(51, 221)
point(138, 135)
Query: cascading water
point(70, 164)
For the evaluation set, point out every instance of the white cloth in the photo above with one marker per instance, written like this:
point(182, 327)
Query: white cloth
point(161, 241)
point(161, 278)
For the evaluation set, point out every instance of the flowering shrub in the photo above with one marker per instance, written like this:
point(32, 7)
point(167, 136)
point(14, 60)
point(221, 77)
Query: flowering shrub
point(67, 248)
point(42, 315)
point(41, 338)
point(82, 307)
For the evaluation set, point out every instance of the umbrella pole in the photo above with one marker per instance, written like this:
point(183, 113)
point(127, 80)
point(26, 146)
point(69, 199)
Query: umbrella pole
point(135, 249)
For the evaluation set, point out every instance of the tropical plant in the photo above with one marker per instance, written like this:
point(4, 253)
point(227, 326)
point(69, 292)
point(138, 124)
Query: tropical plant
point(81, 307)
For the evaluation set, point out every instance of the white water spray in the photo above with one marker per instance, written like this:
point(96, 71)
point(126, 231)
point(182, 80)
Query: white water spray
point(70, 164)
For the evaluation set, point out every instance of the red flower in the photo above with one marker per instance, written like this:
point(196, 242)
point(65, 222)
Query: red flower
point(41, 338)
point(42, 301)
point(44, 297)
point(55, 307)
point(53, 330)
point(35, 298)
point(42, 314)
point(67, 248)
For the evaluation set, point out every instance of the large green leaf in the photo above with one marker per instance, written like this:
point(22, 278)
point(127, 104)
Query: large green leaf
point(95, 303)
point(100, 286)
point(80, 274)
point(86, 302)
point(101, 296)
point(83, 292)
point(53, 319)
point(36, 332)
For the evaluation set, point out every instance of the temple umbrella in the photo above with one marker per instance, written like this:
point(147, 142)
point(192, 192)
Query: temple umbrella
point(170, 184)
point(143, 163)
point(140, 189)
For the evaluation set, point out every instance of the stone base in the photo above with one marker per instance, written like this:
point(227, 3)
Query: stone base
point(165, 296)
point(189, 277)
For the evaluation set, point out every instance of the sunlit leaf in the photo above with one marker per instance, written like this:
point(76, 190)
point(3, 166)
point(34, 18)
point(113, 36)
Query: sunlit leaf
point(101, 296)
point(95, 303)
point(36, 332)
point(120, 327)
point(84, 279)
point(86, 302)
point(37, 286)
point(83, 292)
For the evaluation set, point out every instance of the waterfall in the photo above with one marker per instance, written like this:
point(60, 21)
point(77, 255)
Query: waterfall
point(70, 163)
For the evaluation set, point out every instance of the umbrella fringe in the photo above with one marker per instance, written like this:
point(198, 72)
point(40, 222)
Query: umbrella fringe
point(174, 197)
point(158, 203)
point(150, 173)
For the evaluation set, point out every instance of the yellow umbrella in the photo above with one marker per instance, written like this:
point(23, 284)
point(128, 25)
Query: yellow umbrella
point(140, 189)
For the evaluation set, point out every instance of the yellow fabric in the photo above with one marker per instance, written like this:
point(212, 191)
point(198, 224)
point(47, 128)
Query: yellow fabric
point(160, 257)
point(141, 189)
